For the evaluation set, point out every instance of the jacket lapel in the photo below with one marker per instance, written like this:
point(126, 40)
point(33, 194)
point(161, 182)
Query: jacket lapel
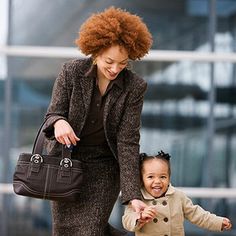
point(87, 90)
point(113, 96)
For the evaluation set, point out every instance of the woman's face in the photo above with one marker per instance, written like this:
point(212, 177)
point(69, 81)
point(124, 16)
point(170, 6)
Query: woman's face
point(155, 177)
point(111, 62)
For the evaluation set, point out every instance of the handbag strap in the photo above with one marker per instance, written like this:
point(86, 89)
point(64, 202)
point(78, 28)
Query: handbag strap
point(39, 144)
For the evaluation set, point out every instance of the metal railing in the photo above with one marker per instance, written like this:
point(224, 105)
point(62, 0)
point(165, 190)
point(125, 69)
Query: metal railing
point(190, 191)
point(154, 55)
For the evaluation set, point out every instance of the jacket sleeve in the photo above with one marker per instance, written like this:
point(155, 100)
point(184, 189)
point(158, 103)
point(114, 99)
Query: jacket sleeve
point(59, 105)
point(128, 143)
point(200, 217)
point(129, 219)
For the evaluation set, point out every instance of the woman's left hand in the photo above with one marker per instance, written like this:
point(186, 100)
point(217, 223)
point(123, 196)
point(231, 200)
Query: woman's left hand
point(138, 205)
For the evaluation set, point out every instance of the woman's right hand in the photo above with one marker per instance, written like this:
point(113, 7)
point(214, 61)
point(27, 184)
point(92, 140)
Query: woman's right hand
point(64, 133)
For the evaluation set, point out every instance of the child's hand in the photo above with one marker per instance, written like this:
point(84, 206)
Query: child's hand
point(147, 215)
point(226, 224)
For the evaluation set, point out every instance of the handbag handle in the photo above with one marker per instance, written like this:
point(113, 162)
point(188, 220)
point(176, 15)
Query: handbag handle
point(39, 143)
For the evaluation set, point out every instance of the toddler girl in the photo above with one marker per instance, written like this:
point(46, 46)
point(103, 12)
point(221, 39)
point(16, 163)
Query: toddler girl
point(167, 207)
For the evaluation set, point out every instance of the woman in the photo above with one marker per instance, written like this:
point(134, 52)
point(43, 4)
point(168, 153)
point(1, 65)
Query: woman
point(96, 106)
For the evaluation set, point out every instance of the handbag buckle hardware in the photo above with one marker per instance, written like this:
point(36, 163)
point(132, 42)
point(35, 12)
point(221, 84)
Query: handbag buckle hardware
point(66, 162)
point(36, 158)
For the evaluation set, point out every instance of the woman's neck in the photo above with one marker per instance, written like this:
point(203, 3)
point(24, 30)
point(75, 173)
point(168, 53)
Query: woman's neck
point(102, 84)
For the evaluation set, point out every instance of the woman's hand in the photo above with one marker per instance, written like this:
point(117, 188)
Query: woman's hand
point(137, 205)
point(226, 224)
point(64, 133)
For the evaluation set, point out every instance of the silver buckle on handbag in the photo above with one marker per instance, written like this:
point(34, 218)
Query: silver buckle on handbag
point(36, 158)
point(66, 162)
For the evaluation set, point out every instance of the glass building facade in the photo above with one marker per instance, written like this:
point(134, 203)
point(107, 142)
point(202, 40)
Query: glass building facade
point(189, 108)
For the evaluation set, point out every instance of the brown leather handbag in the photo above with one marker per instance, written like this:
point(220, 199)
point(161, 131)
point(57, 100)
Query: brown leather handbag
point(48, 177)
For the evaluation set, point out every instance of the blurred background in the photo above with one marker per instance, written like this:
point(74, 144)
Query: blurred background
point(189, 109)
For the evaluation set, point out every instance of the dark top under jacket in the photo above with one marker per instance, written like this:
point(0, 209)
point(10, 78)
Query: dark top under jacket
point(71, 101)
point(93, 130)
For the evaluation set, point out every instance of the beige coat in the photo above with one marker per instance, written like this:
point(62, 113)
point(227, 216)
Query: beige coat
point(172, 209)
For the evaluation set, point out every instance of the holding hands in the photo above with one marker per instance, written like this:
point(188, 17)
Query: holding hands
point(147, 215)
point(138, 205)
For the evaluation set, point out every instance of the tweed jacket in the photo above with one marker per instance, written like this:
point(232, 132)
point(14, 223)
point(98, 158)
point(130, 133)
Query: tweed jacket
point(71, 99)
point(172, 209)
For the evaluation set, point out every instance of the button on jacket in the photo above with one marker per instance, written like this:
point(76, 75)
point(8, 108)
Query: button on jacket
point(172, 209)
point(71, 100)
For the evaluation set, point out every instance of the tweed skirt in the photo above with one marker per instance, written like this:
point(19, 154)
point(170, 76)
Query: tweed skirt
point(90, 214)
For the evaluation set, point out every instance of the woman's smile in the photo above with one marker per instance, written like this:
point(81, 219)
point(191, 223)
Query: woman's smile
point(111, 62)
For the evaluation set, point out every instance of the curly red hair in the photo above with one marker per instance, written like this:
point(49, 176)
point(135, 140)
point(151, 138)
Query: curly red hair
point(114, 26)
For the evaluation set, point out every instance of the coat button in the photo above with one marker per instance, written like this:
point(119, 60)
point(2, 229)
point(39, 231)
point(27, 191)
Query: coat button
point(164, 203)
point(154, 202)
point(155, 220)
point(166, 219)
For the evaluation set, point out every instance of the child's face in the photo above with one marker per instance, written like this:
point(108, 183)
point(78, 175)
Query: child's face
point(155, 176)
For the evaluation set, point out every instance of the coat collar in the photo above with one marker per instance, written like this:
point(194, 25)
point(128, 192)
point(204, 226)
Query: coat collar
point(147, 196)
point(87, 86)
point(91, 73)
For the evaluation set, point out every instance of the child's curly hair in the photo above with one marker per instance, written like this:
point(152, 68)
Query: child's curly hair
point(161, 156)
point(114, 26)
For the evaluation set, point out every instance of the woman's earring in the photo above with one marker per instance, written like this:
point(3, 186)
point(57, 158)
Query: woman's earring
point(129, 66)
point(94, 62)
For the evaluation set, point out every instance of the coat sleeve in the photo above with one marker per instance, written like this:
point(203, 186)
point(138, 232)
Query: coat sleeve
point(200, 217)
point(129, 219)
point(59, 105)
point(128, 143)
